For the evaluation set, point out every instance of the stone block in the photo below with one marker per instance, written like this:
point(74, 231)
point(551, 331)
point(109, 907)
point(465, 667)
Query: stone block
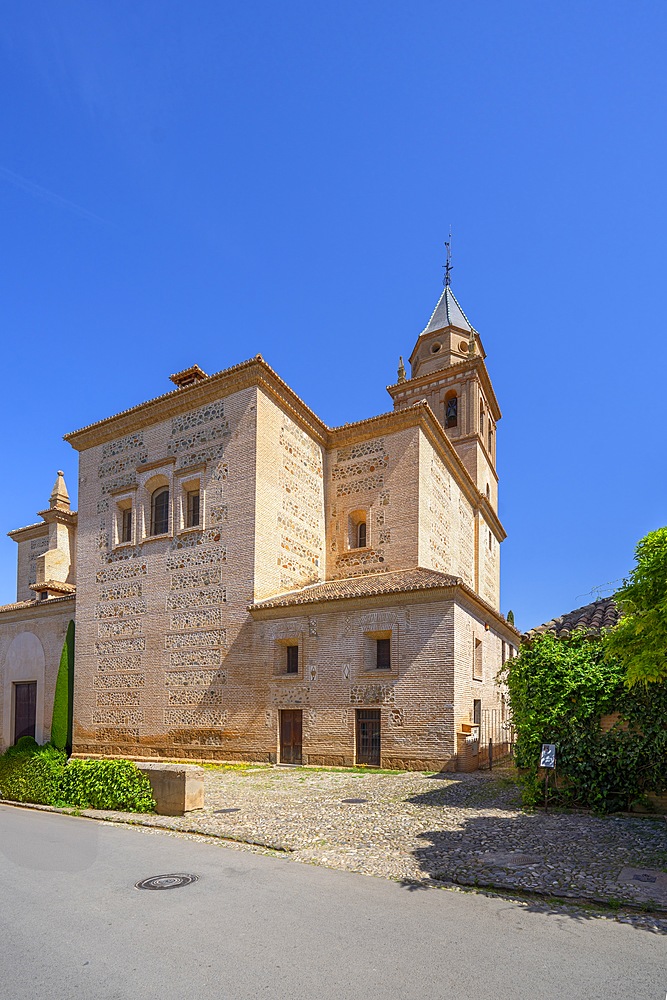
point(177, 788)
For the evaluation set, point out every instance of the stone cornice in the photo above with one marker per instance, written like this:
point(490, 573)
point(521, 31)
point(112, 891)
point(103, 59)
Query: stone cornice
point(27, 610)
point(39, 530)
point(254, 372)
point(470, 364)
point(459, 591)
point(55, 515)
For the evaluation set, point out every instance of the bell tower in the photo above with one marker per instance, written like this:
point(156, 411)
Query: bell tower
point(447, 370)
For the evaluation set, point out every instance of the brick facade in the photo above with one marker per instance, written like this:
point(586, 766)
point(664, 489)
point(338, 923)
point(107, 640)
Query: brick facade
point(377, 539)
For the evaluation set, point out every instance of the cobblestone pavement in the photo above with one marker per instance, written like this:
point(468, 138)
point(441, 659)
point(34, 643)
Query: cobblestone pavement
point(428, 829)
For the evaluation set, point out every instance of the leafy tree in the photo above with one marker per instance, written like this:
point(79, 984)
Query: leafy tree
point(639, 641)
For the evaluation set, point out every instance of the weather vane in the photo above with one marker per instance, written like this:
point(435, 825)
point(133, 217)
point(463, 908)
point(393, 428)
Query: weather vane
point(448, 264)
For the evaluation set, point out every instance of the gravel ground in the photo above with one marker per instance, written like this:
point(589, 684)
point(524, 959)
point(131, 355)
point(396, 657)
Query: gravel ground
point(465, 829)
point(423, 830)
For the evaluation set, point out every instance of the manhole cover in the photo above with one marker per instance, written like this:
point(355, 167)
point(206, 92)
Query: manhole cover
point(354, 800)
point(165, 881)
point(230, 810)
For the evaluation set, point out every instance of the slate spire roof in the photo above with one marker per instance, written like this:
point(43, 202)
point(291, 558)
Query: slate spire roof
point(448, 312)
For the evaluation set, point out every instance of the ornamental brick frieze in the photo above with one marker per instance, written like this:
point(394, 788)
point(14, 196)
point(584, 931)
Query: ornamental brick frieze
point(120, 716)
point(340, 472)
point(196, 658)
point(121, 572)
point(113, 663)
point(119, 646)
point(108, 682)
point(198, 618)
point(120, 592)
point(195, 418)
point(203, 698)
point(130, 442)
point(124, 609)
point(130, 626)
point(182, 600)
point(188, 640)
point(366, 485)
point(204, 717)
point(111, 735)
point(122, 699)
point(210, 435)
point(358, 450)
point(190, 579)
point(372, 694)
point(115, 466)
point(197, 557)
point(291, 696)
point(194, 678)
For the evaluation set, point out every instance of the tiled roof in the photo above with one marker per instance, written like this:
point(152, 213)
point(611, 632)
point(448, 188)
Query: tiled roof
point(61, 588)
point(399, 582)
point(592, 619)
point(20, 605)
point(447, 313)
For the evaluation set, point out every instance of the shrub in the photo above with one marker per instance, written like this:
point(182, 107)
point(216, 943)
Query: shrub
point(107, 784)
point(30, 773)
point(559, 689)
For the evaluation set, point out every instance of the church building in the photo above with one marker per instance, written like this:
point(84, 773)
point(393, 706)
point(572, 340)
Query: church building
point(250, 584)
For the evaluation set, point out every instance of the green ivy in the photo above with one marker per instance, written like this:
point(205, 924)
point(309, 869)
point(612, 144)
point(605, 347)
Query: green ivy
point(107, 784)
point(559, 689)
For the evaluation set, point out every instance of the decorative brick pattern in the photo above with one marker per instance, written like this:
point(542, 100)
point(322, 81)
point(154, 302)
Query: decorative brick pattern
point(196, 658)
point(106, 630)
point(181, 600)
point(195, 678)
point(214, 637)
point(195, 717)
point(202, 618)
point(111, 682)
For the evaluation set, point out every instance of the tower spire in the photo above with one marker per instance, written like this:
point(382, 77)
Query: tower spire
point(448, 263)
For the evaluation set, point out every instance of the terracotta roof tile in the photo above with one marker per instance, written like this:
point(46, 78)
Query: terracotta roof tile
point(592, 619)
point(19, 605)
point(398, 582)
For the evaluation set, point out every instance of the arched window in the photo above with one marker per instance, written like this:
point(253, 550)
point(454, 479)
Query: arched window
point(357, 537)
point(160, 511)
point(451, 409)
point(481, 419)
point(490, 440)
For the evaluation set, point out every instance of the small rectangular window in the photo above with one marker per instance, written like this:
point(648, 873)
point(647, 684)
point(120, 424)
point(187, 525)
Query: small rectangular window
point(383, 654)
point(477, 712)
point(126, 525)
point(192, 513)
point(292, 665)
point(477, 659)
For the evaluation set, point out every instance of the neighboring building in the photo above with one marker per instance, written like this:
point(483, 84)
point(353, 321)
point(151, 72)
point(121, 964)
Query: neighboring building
point(254, 585)
point(593, 619)
point(32, 631)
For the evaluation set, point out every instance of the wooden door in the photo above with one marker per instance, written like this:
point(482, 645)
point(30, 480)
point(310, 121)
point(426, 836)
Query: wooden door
point(368, 736)
point(25, 709)
point(290, 736)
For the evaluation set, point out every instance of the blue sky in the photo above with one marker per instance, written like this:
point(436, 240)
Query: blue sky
point(198, 183)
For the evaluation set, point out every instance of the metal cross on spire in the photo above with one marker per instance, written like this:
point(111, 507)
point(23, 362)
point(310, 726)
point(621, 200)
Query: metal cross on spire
point(448, 264)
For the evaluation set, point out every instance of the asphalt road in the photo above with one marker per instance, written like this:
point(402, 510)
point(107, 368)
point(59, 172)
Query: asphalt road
point(72, 925)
